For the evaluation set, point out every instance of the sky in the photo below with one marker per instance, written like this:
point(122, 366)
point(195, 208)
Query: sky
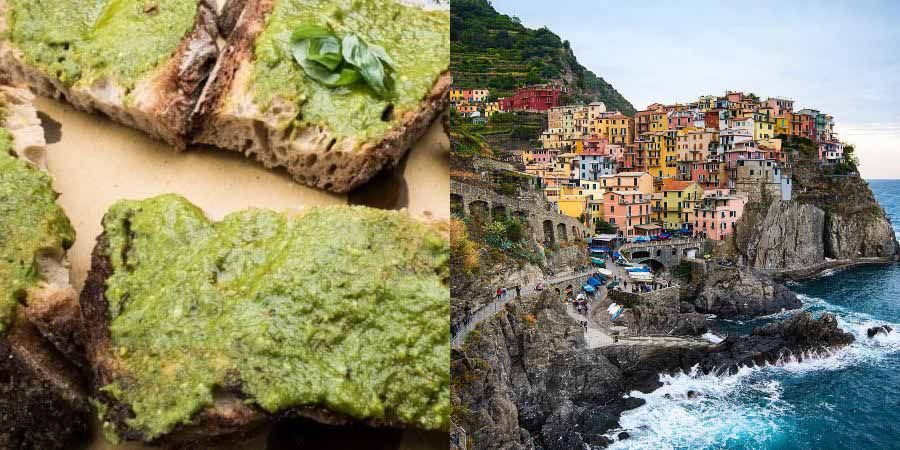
point(842, 58)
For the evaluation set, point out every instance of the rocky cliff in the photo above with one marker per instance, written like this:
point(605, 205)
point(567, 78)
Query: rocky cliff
point(833, 216)
point(525, 379)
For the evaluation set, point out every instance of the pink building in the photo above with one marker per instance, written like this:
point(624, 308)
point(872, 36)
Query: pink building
point(626, 209)
point(716, 216)
point(681, 119)
point(539, 156)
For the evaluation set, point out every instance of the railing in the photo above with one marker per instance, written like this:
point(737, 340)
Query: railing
point(685, 242)
point(459, 330)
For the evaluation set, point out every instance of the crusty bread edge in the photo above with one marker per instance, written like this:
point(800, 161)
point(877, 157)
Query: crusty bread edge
point(45, 334)
point(163, 101)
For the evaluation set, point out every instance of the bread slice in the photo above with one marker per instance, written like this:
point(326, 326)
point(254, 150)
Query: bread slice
point(160, 102)
point(230, 115)
point(241, 327)
point(43, 401)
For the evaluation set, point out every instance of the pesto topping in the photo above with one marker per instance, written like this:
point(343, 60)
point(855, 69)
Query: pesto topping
point(79, 41)
point(342, 307)
point(416, 40)
point(30, 221)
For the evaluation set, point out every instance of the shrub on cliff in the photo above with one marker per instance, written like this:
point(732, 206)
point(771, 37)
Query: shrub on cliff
point(463, 252)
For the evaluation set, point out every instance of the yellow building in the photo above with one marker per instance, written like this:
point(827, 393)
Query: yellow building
point(456, 94)
point(662, 157)
point(783, 124)
point(764, 126)
point(491, 108)
point(659, 121)
point(571, 202)
point(692, 144)
point(616, 128)
point(677, 203)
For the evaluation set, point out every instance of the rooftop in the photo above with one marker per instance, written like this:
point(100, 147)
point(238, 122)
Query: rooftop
point(675, 185)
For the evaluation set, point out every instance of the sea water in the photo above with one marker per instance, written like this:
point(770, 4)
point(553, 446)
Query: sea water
point(847, 400)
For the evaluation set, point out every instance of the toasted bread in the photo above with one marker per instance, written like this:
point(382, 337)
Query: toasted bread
point(230, 116)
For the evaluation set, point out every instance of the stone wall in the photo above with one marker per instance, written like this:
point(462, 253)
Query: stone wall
point(662, 296)
point(544, 222)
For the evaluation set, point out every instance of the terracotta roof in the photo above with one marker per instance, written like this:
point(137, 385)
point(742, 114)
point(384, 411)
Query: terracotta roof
point(675, 185)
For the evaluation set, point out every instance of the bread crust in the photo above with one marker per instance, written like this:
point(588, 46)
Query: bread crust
point(43, 401)
point(227, 119)
point(162, 103)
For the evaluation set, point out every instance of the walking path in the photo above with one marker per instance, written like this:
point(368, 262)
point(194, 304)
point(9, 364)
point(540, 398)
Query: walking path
point(596, 335)
point(458, 334)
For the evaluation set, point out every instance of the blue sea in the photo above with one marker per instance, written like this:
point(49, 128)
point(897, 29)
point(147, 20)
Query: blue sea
point(848, 400)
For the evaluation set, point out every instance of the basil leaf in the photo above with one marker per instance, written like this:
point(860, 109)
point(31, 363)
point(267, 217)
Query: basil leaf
point(325, 51)
point(310, 32)
point(382, 55)
point(348, 77)
point(319, 72)
point(370, 66)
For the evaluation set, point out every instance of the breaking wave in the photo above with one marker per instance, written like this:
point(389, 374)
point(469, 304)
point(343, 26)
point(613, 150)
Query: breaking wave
point(745, 409)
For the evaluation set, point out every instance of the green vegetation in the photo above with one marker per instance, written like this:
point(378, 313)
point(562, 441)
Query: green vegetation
point(603, 227)
point(493, 50)
point(466, 138)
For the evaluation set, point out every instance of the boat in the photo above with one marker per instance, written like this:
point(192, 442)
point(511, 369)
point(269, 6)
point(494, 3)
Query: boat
point(598, 261)
point(637, 269)
point(588, 288)
point(605, 272)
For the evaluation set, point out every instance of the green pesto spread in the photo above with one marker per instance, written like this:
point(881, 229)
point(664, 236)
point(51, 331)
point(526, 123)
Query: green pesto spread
point(30, 221)
point(417, 40)
point(341, 307)
point(79, 41)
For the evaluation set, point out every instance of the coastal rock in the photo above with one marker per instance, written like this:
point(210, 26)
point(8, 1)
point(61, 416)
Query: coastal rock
point(798, 337)
point(736, 292)
point(863, 234)
point(883, 329)
point(784, 235)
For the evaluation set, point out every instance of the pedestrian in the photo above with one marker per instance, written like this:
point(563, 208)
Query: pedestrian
point(499, 291)
point(518, 291)
point(504, 293)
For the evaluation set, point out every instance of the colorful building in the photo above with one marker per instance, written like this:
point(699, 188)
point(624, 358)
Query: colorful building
point(532, 98)
point(628, 181)
point(678, 202)
point(571, 202)
point(626, 209)
point(716, 216)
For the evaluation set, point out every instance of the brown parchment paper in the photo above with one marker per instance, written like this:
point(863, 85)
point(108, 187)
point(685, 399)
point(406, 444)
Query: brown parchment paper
point(95, 162)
